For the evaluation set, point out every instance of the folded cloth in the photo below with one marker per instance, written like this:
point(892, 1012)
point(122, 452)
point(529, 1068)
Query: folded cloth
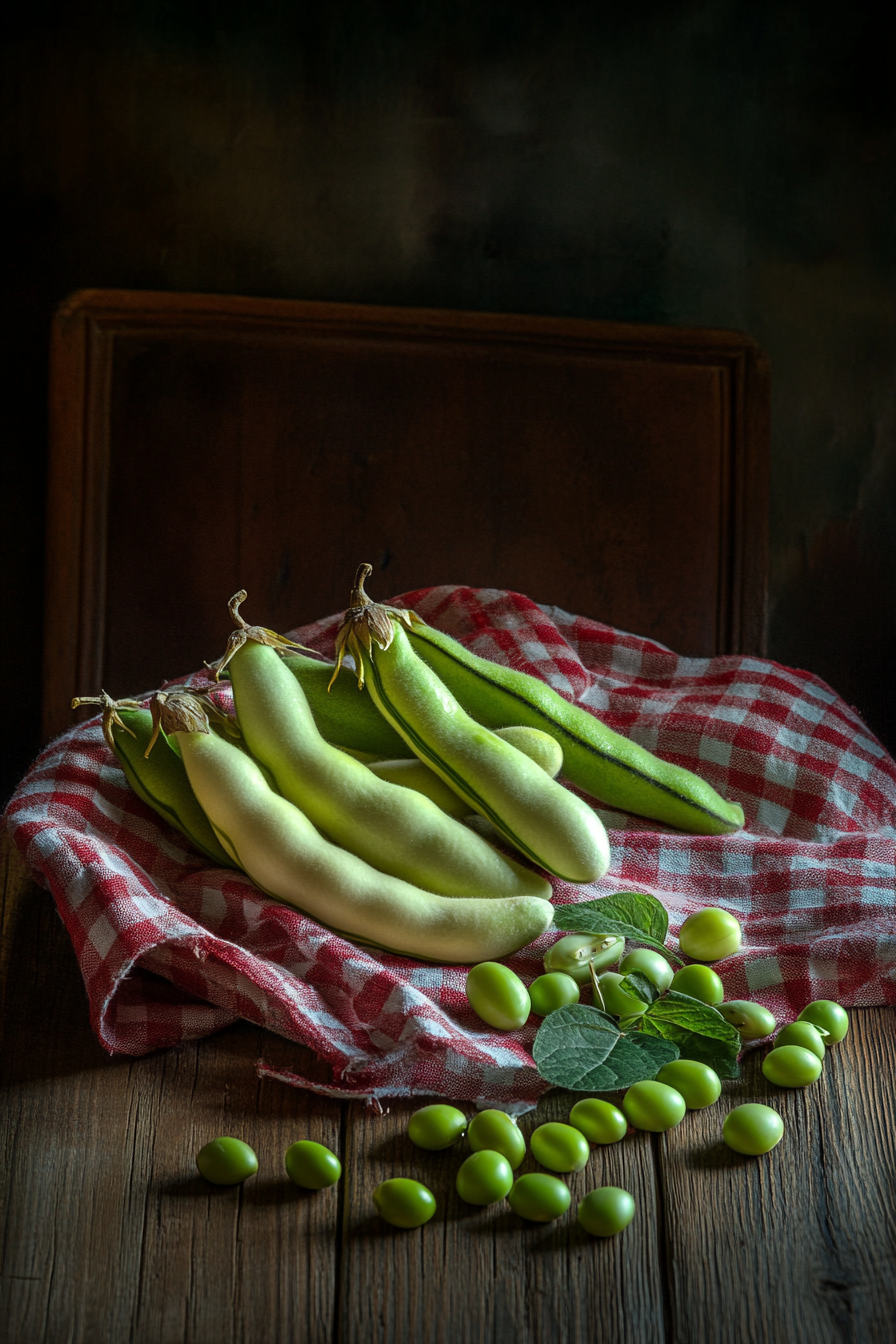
point(172, 949)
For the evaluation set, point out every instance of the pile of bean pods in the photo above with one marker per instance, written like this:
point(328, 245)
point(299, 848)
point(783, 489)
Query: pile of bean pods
point(295, 790)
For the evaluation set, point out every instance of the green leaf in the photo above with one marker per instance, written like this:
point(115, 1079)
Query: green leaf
point(699, 1031)
point(582, 1048)
point(629, 914)
point(638, 986)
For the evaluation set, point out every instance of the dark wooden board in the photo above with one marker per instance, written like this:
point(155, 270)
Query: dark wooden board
point(200, 444)
point(107, 1233)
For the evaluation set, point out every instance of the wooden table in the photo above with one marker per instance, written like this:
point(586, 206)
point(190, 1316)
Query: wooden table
point(108, 1234)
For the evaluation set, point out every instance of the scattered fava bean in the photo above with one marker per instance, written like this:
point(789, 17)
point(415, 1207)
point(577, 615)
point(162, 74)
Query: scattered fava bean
point(653, 1106)
point(560, 1147)
point(539, 1198)
point(436, 1127)
point(709, 935)
point(700, 1085)
point(606, 1211)
point(828, 1014)
point(700, 982)
point(651, 964)
point(752, 1129)
point(576, 953)
point(791, 1066)
point(616, 1001)
point(498, 1132)
point(751, 1020)
point(803, 1034)
point(600, 1121)
point(312, 1165)
point(404, 1203)
point(498, 996)
point(484, 1178)
point(226, 1161)
point(554, 990)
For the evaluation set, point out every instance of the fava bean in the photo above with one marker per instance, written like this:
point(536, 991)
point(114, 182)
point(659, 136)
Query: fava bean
point(436, 1127)
point(226, 1161)
point(552, 991)
point(698, 1083)
point(828, 1014)
point(803, 1034)
point(560, 1147)
point(484, 1178)
point(652, 965)
point(752, 1129)
point(751, 1020)
point(498, 996)
point(606, 1211)
point(653, 1106)
point(498, 1132)
point(539, 1198)
point(700, 982)
point(616, 1000)
point(312, 1165)
point(709, 935)
point(791, 1066)
point(404, 1203)
point(600, 1121)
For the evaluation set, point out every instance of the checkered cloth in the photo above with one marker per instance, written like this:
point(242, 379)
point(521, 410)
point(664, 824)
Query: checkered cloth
point(172, 949)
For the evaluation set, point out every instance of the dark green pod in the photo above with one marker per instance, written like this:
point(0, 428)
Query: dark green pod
point(345, 715)
point(605, 764)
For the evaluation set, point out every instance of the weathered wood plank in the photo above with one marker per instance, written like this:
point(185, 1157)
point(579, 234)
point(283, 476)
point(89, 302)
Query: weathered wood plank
point(798, 1245)
point(486, 1276)
point(108, 1233)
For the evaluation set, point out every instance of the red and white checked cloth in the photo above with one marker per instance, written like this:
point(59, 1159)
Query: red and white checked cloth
point(171, 949)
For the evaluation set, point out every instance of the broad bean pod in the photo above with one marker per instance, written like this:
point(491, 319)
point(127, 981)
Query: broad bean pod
point(605, 764)
point(286, 857)
point(545, 822)
point(161, 780)
point(397, 830)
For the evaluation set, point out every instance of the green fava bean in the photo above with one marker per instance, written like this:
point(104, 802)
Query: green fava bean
point(539, 1198)
point(404, 1203)
point(606, 1211)
point(709, 935)
point(552, 991)
point(791, 1066)
point(651, 964)
point(803, 1034)
point(498, 1132)
point(700, 982)
point(600, 1121)
point(436, 1127)
point(311, 1165)
point(616, 1001)
point(498, 996)
point(752, 1129)
point(700, 1085)
point(751, 1020)
point(577, 953)
point(653, 1106)
point(560, 1147)
point(226, 1161)
point(484, 1178)
point(828, 1014)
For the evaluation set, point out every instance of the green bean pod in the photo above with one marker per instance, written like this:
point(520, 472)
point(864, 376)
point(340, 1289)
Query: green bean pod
point(397, 830)
point(544, 821)
point(159, 780)
point(605, 764)
point(343, 717)
point(286, 857)
point(412, 773)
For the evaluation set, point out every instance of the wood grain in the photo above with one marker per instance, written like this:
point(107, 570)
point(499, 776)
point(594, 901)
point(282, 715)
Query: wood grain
point(108, 1235)
point(206, 443)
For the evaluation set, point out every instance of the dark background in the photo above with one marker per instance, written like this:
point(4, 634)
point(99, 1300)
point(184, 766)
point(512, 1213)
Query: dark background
point(710, 163)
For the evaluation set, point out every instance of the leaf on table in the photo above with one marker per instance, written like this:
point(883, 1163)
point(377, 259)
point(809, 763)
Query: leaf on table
point(637, 985)
point(699, 1031)
point(582, 1048)
point(629, 914)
